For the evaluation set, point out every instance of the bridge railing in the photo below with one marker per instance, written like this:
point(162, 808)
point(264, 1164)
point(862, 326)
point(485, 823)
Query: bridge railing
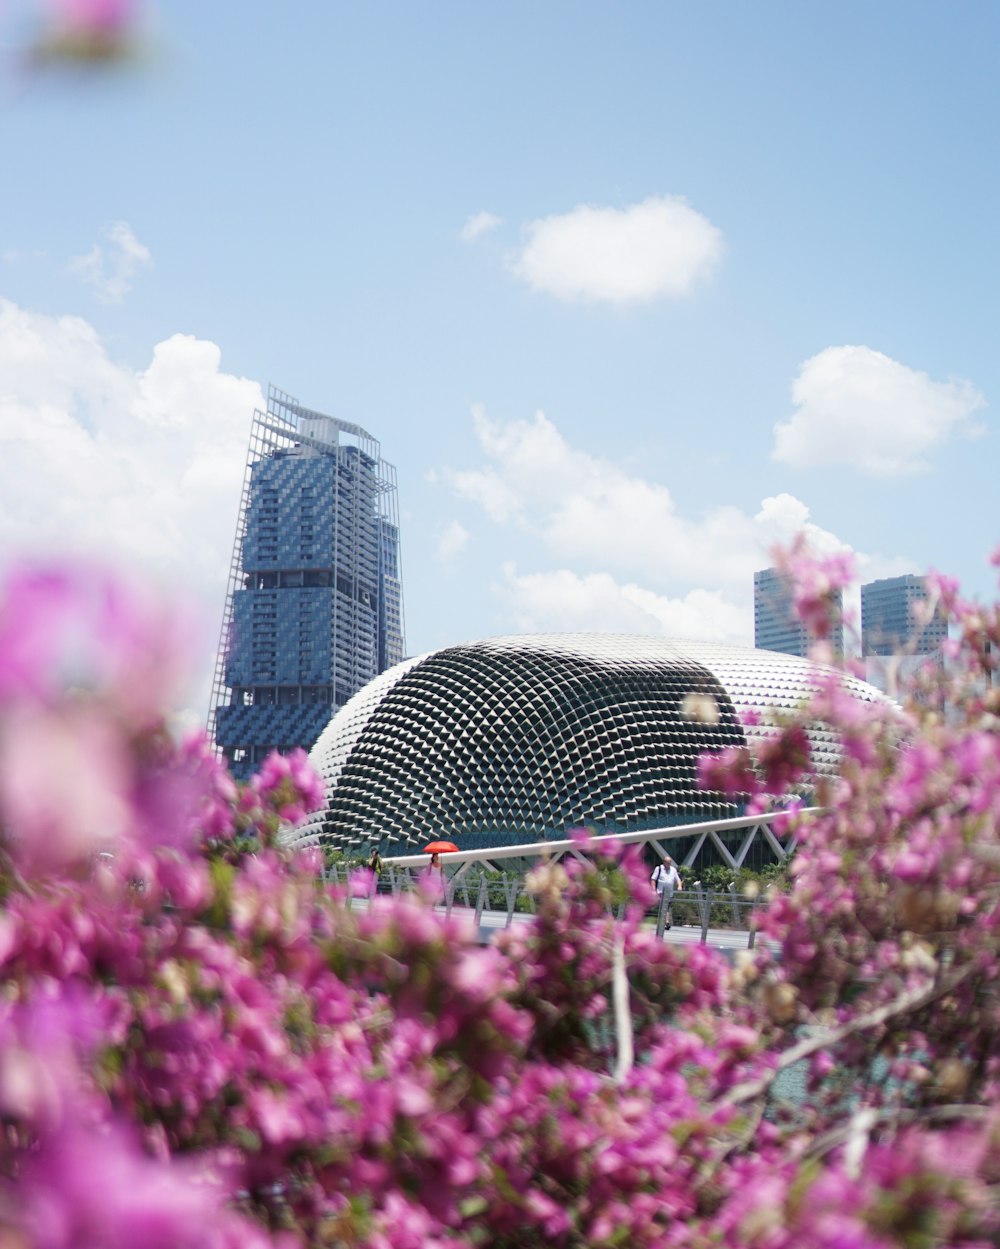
point(494, 901)
point(717, 834)
point(710, 909)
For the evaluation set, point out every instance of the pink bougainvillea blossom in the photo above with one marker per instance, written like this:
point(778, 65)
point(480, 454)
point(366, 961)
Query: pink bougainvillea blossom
point(204, 1044)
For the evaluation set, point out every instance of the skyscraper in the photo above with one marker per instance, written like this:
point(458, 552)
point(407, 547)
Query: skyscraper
point(776, 627)
point(314, 608)
point(897, 618)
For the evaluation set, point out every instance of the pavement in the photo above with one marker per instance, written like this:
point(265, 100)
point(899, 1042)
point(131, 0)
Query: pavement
point(728, 940)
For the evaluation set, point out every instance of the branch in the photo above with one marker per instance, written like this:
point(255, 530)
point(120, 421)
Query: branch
point(9, 868)
point(857, 1137)
point(910, 1000)
point(932, 1114)
point(623, 1014)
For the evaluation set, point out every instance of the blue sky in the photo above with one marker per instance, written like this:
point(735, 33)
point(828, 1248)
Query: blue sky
point(627, 293)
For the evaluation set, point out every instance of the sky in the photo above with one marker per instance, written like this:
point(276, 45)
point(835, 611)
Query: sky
point(628, 293)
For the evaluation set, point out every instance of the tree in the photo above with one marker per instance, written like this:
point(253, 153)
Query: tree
point(192, 1022)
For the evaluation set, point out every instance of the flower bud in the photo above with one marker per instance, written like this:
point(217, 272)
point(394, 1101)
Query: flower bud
point(700, 708)
point(780, 1002)
point(951, 1078)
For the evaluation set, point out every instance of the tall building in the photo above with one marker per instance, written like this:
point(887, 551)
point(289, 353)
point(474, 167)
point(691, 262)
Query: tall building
point(897, 618)
point(776, 627)
point(314, 608)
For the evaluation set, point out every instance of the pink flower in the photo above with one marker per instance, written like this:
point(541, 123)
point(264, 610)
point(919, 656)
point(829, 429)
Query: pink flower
point(65, 778)
point(817, 584)
point(728, 771)
point(88, 1189)
point(86, 631)
point(94, 14)
point(290, 785)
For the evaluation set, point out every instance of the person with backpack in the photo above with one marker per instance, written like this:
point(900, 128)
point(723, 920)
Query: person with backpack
point(375, 867)
point(665, 880)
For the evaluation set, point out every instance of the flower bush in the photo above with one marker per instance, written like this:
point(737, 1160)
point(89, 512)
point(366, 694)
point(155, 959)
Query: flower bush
point(202, 1044)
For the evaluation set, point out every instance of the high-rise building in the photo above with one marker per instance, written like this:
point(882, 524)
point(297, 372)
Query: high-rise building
point(314, 608)
point(776, 627)
point(898, 618)
point(775, 624)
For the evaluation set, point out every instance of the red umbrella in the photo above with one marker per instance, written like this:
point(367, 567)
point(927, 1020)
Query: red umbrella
point(440, 847)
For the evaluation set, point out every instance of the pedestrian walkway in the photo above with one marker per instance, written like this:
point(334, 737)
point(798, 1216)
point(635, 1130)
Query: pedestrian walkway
point(487, 922)
point(727, 940)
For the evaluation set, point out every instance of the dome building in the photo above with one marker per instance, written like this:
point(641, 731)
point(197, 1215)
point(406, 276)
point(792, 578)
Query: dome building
point(518, 739)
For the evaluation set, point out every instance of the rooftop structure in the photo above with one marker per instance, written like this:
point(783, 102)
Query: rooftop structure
point(515, 739)
point(314, 604)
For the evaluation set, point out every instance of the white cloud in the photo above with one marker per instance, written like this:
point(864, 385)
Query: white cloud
point(478, 224)
point(111, 268)
point(591, 513)
point(565, 601)
point(857, 407)
point(143, 468)
point(782, 516)
point(452, 542)
point(660, 247)
point(612, 550)
point(15, 255)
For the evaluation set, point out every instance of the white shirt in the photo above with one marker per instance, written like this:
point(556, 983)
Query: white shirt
point(666, 879)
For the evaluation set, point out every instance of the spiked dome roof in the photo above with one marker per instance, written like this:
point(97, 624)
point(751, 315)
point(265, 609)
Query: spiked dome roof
point(514, 739)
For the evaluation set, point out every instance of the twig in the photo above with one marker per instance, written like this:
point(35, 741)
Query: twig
point(857, 1139)
point(911, 999)
point(9, 868)
point(931, 1114)
point(623, 1013)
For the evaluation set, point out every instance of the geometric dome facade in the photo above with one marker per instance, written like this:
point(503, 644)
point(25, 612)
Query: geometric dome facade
point(515, 739)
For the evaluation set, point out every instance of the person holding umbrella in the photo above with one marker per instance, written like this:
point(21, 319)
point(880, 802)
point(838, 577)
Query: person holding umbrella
point(437, 848)
point(434, 870)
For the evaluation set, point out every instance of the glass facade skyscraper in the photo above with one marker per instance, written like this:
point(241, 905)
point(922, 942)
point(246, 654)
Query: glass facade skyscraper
point(314, 608)
point(776, 627)
point(897, 618)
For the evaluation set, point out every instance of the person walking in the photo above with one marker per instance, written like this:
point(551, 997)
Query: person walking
point(375, 867)
point(434, 877)
point(665, 880)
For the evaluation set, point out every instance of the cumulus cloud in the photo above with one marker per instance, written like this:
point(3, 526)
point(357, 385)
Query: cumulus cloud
point(860, 408)
point(452, 542)
point(111, 267)
point(613, 549)
point(478, 224)
point(565, 601)
point(782, 516)
point(142, 467)
point(659, 248)
point(588, 511)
